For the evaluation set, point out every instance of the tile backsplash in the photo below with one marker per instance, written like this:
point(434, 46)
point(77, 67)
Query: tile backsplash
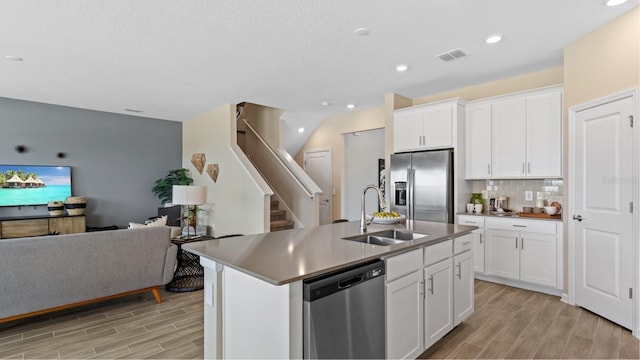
point(549, 189)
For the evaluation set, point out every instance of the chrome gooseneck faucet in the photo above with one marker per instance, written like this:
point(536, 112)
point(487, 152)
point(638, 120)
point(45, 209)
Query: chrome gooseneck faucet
point(363, 220)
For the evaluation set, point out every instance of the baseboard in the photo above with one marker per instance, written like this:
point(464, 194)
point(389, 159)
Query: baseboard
point(519, 284)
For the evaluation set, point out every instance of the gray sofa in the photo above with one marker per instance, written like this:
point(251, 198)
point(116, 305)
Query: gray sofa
point(48, 273)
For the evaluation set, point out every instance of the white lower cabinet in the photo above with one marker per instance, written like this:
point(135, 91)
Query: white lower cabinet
point(478, 239)
point(438, 314)
point(404, 295)
point(463, 286)
point(421, 288)
point(528, 254)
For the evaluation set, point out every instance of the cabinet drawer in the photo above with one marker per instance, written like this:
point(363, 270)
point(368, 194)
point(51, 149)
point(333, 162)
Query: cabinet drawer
point(471, 220)
point(542, 227)
point(438, 252)
point(462, 243)
point(23, 228)
point(403, 264)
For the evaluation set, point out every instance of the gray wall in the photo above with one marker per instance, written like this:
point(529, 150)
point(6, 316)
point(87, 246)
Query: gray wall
point(361, 154)
point(115, 159)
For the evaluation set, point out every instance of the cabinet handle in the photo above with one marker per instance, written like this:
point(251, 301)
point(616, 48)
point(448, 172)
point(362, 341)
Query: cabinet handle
point(520, 226)
point(488, 169)
point(529, 167)
point(459, 271)
point(523, 169)
point(516, 242)
point(480, 238)
point(422, 288)
point(431, 281)
point(522, 244)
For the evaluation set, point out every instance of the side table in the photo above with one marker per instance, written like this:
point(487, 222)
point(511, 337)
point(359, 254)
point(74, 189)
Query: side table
point(189, 274)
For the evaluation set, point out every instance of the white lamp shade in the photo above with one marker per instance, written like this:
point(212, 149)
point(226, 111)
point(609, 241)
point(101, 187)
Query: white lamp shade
point(189, 195)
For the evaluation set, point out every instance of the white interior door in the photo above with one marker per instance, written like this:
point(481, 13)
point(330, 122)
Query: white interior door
point(602, 217)
point(317, 163)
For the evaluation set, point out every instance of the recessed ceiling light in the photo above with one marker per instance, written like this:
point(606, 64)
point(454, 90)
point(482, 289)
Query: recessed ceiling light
point(401, 67)
point(361, 31)
point(492, 39)
point(14, 58)
point(301, 130)
point(351, 106)
point(326, 103)
point(133, 110)
point(614, 2)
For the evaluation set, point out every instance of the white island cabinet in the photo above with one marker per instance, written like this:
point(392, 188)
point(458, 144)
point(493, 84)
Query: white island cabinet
point(254, 286)
point(428, 292)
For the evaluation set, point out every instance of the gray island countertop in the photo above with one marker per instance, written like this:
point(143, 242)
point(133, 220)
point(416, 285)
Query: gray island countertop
point(286, 256)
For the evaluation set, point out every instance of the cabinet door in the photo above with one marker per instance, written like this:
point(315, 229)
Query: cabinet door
point(538, 258)
point(24, 228)
point(503, 249)
point(405, 301)
point(544, 135)
point(438, 314)
point(508, 129)
point(67, 225)
point(478, 250)
point(478, 142)
point(462, 286)
point(437, 127)
point(408, 130)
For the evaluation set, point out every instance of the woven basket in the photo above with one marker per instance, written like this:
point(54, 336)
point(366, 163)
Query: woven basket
point(56, 208)
point(75, 205)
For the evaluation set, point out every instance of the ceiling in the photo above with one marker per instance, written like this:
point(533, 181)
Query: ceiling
point(176, 59)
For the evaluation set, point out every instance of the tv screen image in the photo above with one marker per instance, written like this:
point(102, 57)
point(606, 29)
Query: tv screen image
point(33, 185)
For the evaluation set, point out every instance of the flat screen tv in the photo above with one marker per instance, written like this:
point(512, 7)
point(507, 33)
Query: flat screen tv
point(33, 185)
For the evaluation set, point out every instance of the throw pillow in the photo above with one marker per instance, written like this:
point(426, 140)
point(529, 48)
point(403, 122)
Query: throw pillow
point(161, 221)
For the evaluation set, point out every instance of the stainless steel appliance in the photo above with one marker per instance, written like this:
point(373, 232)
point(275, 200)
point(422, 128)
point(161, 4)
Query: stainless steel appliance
point(344, 314)
point(422, 185)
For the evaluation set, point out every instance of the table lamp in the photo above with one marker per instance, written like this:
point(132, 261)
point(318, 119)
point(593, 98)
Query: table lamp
point(189, 196)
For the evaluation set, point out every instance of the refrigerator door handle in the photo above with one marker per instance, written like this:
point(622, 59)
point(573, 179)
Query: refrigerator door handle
point(410, 194)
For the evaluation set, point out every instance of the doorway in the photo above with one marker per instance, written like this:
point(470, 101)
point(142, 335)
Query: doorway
point(318, 165)
point(603, 229)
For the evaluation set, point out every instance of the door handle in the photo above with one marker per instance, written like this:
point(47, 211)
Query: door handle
point(577, 217)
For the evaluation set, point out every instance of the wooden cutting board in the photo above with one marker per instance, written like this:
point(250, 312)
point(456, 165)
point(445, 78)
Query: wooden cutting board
point(544, 216)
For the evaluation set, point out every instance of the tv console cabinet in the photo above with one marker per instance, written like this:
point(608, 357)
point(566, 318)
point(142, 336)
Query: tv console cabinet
point(16, 227)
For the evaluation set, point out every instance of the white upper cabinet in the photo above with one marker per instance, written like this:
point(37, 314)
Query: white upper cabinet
point(478, 141)
point(424, 127)
point(515, 136)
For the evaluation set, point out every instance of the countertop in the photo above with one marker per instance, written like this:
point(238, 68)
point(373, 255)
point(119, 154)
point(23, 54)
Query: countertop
point(514, 216)
point(286, 256)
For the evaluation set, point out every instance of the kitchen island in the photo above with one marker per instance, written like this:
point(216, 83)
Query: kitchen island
point(253, 284)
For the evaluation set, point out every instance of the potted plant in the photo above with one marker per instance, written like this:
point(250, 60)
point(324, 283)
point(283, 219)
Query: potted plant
point(163, 187)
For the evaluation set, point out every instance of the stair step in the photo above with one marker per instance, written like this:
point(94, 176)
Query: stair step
point(281, 225)
point(278, 215)
point(275, 204)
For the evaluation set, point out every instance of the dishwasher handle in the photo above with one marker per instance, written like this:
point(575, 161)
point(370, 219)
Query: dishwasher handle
point(346, 283)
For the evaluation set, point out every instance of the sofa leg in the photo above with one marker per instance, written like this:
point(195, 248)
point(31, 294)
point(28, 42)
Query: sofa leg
point(156, 294)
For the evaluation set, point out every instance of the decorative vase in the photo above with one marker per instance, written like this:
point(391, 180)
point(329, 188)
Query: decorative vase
point(75, 205)
point(476, 198)
point(56, 208)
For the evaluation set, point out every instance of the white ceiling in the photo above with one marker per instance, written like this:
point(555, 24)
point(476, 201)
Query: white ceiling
point(175, 59)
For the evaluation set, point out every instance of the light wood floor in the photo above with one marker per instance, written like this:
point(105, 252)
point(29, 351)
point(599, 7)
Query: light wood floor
point(519, 324)
point(507, 323)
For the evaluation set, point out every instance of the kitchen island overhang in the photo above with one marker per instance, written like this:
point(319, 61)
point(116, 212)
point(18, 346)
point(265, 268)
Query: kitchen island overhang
point(253, 284)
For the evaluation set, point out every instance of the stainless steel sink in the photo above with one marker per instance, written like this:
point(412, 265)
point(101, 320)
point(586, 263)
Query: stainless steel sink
point(386, 237)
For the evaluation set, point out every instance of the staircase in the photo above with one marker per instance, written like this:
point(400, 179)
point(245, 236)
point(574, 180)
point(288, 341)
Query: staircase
point(279, 217)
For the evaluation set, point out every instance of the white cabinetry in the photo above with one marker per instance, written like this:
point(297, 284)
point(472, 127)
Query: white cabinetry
point(478, 141)
point(515, 136)
point(525, 250)
point(463, 285)
point(404, 303)
point(478, 239)
point(438, 277)
point(424, 127)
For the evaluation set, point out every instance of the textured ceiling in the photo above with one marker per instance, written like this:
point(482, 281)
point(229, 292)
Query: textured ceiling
point(176, 59)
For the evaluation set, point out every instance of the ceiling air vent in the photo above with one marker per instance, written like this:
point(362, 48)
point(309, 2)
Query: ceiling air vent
point(452, 55)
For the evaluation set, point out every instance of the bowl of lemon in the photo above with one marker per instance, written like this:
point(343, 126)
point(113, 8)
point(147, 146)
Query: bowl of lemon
point(386, 217)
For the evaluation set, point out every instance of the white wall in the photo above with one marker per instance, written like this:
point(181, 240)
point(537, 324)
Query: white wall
point(361, 152)
point(238, 202)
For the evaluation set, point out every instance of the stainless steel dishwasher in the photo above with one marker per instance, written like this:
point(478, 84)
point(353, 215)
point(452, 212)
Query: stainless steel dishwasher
point(344, 314)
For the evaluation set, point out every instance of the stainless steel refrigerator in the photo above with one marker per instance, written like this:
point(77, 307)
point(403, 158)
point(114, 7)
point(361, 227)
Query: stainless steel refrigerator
point(421, 185)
